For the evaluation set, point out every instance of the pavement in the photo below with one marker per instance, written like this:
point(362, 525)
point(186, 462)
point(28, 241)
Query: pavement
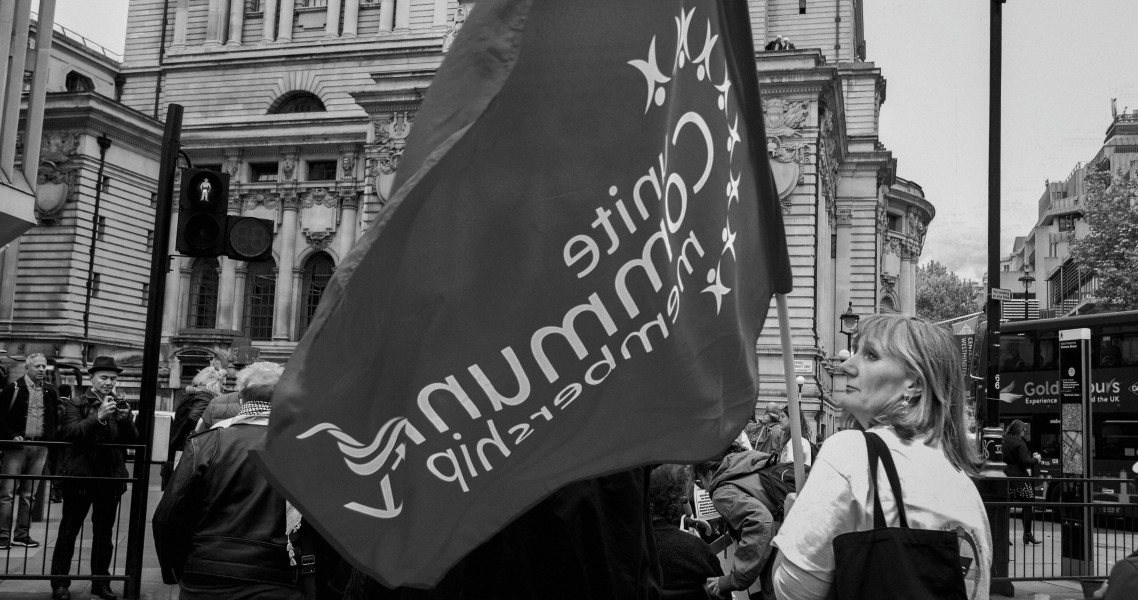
point(38, 560)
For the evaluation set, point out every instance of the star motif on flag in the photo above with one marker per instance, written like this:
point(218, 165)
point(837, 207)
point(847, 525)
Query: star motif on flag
point(733, 137)
point(704, 58)
point(723, 88)
point(716, 289)
point(728, 240)
point(683, 24)
point(652, 76)
point(733, 188)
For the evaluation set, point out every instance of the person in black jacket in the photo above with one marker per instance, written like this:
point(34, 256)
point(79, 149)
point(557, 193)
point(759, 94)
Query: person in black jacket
point(206, 386)
point(686, 561)
point(29, 409)
point(220, 528)
point(1019, 461)
point(96, 418)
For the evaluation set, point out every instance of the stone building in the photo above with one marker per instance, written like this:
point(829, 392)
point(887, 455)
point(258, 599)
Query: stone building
point(307, 105)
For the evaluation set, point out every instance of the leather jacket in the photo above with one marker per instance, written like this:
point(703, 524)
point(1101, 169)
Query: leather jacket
point(219, 519)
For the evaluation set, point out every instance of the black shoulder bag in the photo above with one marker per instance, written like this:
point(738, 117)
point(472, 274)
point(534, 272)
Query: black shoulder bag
point(896, 562)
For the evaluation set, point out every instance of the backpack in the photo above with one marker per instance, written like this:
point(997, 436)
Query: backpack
point(777, 480)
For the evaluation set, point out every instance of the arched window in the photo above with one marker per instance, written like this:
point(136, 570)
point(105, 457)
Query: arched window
point(77, 82)
point(317, 271)
point(260, 294)
point(203, 294)
point(296, 102)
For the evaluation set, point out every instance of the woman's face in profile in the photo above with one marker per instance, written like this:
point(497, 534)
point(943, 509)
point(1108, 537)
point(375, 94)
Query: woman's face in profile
point(874, 380)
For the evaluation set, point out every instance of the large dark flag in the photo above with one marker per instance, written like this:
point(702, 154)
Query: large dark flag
point(569, 280)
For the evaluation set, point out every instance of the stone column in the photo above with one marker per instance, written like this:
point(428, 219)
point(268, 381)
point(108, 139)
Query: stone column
point(288, 9)
point(282, 310)
point(349, 215)
point(402, 16)
point(842, 271)
point(440, 16)
point(351, 18)
point(181, 15)
point(240, 273)
point(8, 279)
point(386, 16)
point(226, 289)
point(184, 314)
point(236, 22)
point(269, 32)
point(332, 27)
point(297, 302)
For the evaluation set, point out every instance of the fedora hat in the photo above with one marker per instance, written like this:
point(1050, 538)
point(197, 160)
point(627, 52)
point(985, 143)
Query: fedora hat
point(104, 363)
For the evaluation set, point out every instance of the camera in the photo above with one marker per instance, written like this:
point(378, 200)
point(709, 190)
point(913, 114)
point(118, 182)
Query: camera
point(122, 404)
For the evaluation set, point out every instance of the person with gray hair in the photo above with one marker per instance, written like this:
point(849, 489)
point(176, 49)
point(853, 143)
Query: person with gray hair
point(206, 386)
point(228, 405)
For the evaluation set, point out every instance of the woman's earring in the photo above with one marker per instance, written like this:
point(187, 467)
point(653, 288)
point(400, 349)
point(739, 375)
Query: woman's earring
point(905, 403)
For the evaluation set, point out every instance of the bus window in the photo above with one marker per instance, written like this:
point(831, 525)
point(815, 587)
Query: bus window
point(1117, 346)
point(1017, 352)
point(1047, 349)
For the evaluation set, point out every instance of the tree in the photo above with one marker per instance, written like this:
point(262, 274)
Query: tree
point(1110, 247)
point(942, 295)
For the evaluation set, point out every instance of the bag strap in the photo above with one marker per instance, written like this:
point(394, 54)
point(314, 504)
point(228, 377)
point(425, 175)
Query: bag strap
point(878, 450)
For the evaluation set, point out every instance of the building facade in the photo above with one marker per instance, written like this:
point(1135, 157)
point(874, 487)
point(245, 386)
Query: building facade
point(307, 105)
point(1058, 284)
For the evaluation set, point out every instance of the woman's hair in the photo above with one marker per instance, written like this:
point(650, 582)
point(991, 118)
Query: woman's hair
point(209, 380)
point(259, 373)
point(928, 352)
point(1016, 428)
point(801, 421)
point(668, 490)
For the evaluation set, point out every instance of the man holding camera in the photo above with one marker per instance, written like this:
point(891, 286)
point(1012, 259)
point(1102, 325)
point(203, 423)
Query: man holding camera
point(96, 418)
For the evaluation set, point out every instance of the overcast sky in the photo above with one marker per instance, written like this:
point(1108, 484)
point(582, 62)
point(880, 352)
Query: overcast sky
point(1060, 72)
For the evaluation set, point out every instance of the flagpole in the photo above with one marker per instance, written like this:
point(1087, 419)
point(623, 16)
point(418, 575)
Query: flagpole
point(791, 389)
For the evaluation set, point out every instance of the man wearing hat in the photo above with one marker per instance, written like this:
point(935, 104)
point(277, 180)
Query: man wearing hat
point(95, 418)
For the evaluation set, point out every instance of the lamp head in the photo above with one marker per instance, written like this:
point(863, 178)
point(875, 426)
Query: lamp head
point(849, 320)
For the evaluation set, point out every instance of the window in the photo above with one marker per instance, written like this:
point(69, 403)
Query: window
point(1017, 352)
point(203, 294)
point(78, 83)
point(263, 171)
point(321, 170)
point(296, 102)
point(253, 6)
point(1067, 223)
point(260, 294)
point(894, 222)
point(317, 272)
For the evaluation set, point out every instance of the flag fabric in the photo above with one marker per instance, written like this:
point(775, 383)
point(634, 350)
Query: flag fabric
point(569, 280)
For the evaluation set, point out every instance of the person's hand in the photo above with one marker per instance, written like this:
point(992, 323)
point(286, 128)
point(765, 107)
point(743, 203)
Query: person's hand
point(122, 414)
point(701, 526)
point(106, 409)
point(788, 503)
point(1036, 455)
point(713, 588)
point(18, 438)
point(1101, 592)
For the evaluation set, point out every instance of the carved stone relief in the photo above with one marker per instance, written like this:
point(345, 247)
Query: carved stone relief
point(787, 151)
point(319, 240)
point(55, 179)
point(828, 162)
point(459, 20)
point(390, 140)
point(317, 197)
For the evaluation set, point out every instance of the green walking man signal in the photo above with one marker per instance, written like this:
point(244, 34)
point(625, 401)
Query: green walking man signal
point(204, 228)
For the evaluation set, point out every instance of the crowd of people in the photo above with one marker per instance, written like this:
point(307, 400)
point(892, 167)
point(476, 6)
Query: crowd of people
point(222, 531)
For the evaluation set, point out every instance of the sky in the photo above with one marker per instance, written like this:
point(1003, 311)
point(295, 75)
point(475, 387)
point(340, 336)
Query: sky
point(1058, 79)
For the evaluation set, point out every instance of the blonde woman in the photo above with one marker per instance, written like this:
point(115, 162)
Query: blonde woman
point(904, 384)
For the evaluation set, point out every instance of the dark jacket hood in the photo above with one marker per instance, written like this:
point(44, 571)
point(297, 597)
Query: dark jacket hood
point(740, 469)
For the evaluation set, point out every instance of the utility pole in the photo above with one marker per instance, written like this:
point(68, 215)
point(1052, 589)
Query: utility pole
point(171, 144)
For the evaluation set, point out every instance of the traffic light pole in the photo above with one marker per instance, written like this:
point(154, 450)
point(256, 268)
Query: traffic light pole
point(171, 145)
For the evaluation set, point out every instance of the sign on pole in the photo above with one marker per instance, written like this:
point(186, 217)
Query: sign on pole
point(1000, 294)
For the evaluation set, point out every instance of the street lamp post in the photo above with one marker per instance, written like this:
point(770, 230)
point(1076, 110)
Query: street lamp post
point(849, 321)
point(1026, 280)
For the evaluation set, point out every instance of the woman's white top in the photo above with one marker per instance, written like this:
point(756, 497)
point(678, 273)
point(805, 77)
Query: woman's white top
point(837, 499)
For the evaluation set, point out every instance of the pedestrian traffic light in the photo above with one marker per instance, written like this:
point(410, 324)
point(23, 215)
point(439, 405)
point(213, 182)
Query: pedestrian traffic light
point(204, 228)
point(203, 202)
point(249, 239)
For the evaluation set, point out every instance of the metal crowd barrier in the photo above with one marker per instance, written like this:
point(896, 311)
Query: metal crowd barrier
point(21, 562)
point(1080, 538)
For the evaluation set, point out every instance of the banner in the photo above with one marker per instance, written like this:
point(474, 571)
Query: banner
point(569, 280)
